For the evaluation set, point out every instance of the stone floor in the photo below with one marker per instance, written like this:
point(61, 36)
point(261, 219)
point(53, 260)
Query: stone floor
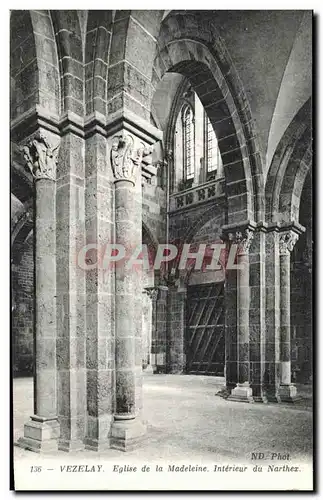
point(186, 419)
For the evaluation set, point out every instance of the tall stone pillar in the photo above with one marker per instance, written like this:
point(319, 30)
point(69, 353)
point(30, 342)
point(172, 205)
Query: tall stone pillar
point(100, 346)
point(272, 319)
point(230, 295)
point(149, 323)
point(43, 430)
point(176, 360)
point(128, 151)
point(71, 296)
point(257, 313)
point(126, 428)
point(242, 391)
point(287, 391)
point(159, 345)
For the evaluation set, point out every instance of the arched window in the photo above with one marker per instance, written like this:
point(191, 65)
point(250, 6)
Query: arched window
point(188, 142)
point(212, 151)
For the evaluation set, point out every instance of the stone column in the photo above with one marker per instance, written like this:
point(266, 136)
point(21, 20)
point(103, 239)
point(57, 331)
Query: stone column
point(100, 348)
point(146, 329)
point(272, 318)
point(242, 391)
point(230, 300)
point(150, 318)
point(257, 314)
point(176, 329)
point(71, 296)
point(159, 347)
point(127, 429)
point(43, 430)
point(287, 391)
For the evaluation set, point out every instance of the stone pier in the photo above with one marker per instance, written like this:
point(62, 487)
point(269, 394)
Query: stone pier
point(41, 433)
point(129, 148)
point(287, 391)
point(242, 391)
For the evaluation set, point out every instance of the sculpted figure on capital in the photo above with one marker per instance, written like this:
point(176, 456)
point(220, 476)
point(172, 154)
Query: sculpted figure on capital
point(126, 157)
point(41, 158)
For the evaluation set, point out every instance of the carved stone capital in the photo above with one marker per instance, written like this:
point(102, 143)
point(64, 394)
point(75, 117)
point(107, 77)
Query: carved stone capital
point(151, 292)
point(243, 239)
point(287, 242)
point(41, 158)
point(127, 153)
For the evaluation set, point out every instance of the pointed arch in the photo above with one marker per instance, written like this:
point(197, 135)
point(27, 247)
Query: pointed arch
point(290, 165)
point(187, 45)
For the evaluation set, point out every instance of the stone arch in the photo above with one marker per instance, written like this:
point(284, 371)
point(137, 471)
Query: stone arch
point(149, 238)
point(21, 230)
point(22, 190)
point(21, 179)
point(22, 266)
point(96, 58)
point(34, 69)
point(288, 170)
point(149, 235)
point(70, 55)
point(206, 217)
point(188, 46)
point(129, 76)
point(174, 111)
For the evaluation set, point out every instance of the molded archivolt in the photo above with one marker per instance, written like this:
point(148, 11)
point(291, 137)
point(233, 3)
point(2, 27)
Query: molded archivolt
point(189, 45)
point(33, 63)
point(291, 163)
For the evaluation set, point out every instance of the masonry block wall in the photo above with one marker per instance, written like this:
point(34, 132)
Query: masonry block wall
point(301, 293)
point(154, 211)
point(23, 311)
point(301, 328)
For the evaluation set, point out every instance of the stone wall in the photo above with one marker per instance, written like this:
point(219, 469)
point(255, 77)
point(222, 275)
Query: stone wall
point(23, 311)
point(301, 294)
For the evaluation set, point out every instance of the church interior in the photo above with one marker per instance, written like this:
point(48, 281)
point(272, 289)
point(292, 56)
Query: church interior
point(161, 127)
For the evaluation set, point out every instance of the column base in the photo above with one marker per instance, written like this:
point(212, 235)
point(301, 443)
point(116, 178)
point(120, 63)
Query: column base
point(96, 445)
point(288, 393)
point(273, 397)
point(127, 434)
point(241, 393)
point(40, 435)
point(66, 445)
point(149, 369)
